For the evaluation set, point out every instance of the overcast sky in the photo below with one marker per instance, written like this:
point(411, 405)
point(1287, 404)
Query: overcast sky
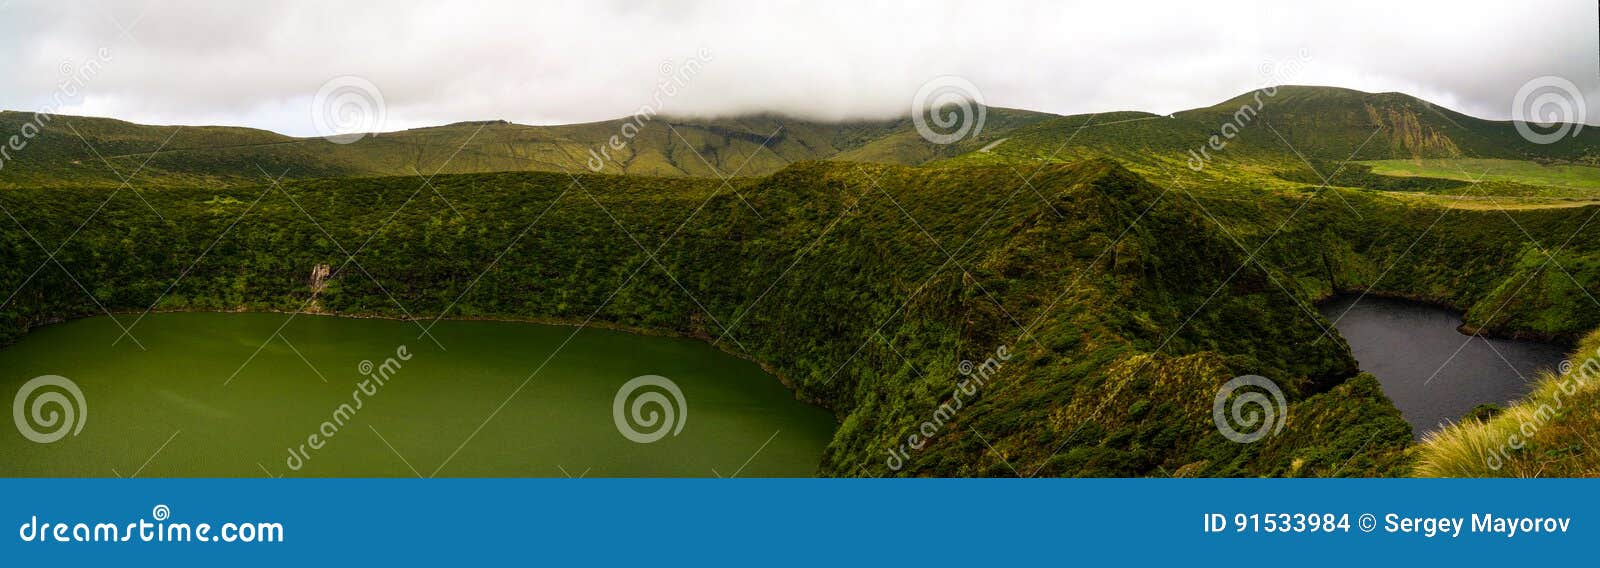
point(261, 64)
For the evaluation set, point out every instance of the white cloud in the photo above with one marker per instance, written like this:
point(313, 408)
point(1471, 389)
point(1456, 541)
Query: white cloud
point(259, 64)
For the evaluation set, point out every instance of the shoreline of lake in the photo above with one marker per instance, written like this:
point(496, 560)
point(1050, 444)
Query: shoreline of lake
point(1430, 370)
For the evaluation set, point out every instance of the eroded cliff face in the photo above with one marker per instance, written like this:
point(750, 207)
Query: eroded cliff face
point(1410, 136)
point(319, 278)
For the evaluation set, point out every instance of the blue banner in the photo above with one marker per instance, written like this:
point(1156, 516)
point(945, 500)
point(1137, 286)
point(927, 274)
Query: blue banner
point(791, 521)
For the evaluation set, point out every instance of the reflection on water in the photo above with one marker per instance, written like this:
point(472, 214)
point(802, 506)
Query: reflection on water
point(1432, 372)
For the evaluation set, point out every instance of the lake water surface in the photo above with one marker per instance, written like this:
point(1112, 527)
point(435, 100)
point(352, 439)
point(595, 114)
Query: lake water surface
point(200, 400)
point(1432, 372)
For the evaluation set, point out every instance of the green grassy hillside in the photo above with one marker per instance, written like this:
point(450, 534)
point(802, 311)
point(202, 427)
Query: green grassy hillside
point(1562, 176)
point(1301, 134)
point(1108, 374)
point(69, 150)
point(1331, 123)
point(1266, 134)
point(1118, 342)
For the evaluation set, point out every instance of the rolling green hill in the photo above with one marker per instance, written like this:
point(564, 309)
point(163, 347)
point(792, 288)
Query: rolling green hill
point(899, 274)
point(69, 150)
point(1274, 134)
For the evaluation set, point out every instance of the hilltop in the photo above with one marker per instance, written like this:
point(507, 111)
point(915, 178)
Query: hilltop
point(1272, 129)
point(1324, 124)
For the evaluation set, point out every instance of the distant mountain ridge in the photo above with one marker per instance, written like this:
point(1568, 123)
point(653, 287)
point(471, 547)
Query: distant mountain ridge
point(1319, 123)
point(72, 151)
point(1283, 128)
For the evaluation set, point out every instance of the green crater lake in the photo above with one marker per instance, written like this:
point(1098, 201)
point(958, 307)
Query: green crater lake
point(212, 396)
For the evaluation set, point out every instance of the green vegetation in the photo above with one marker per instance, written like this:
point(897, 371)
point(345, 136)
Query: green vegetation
point(1483, 412)
point(68, 151)
point(1127, 285)
point(1515, 171)
point(872, 321)
point(1558, 180)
